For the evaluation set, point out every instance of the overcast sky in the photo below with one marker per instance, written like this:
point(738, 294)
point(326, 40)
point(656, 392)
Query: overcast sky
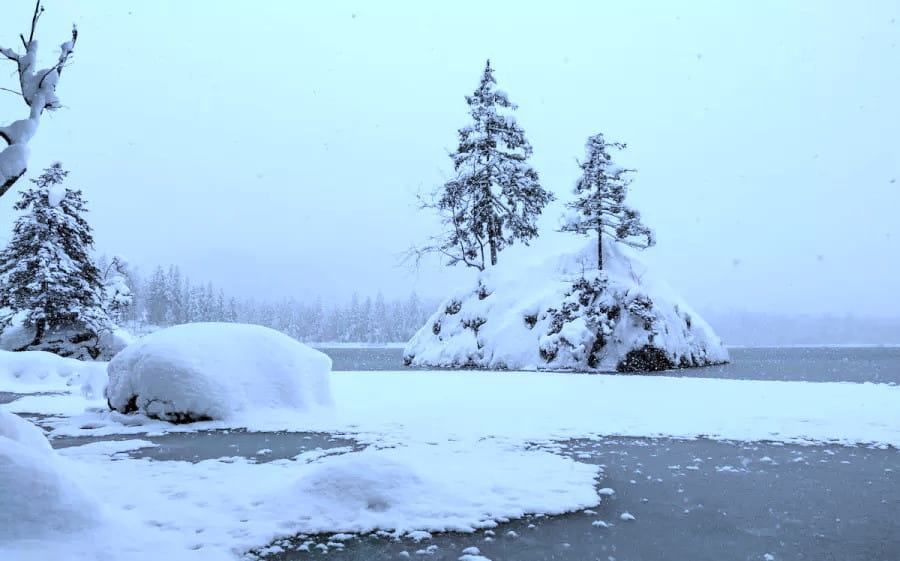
point(276, 148)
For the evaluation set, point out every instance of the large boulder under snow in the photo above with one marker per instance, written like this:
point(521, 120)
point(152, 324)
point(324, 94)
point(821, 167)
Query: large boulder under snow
point(205, 371)
point(564, 314)
point(38, 497)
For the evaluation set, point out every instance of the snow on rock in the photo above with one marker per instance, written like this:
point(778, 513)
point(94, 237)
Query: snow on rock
point(205, 371)
point(39, 498)
point(562, 314)
point(39, 371)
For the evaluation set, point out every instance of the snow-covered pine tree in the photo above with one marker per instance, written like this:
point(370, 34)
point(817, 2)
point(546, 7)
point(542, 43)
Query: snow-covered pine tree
point(118, 296)
point(599, 206)
point(157, 300)
point(50, 281)
point(495, 197)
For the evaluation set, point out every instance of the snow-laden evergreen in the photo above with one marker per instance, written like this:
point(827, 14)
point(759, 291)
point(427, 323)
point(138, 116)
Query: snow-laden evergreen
point(599, 206)
point(38, 90)
point(495, 197)
point(50, 283)
point(563, 313)
point(118, 297)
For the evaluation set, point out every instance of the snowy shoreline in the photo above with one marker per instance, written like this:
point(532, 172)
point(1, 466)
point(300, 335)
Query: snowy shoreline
point(444, 450)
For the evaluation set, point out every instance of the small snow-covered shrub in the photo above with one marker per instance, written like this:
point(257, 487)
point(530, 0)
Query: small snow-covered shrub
point(204, 371)
point(564, 314)
point(39, 498)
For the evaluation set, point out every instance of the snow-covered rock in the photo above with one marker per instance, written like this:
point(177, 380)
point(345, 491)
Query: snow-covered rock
point(204, 371)
point(39, 498)
point(562, 314)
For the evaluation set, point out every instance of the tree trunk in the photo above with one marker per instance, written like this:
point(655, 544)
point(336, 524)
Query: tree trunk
point(599, 250)
point(492, 242)
point(39, 329)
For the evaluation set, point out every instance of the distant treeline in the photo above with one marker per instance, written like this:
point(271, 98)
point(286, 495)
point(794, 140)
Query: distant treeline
point(169, 298)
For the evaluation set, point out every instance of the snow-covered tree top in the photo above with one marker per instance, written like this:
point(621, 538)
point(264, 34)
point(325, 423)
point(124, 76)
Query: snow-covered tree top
point(38, 90)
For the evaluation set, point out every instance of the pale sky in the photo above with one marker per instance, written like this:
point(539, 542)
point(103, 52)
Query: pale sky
point(276, 148)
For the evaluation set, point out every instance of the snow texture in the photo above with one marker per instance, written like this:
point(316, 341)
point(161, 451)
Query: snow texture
point(39, 498)
point(206, 371)
point(39, 371)
point(434, 488)
point(562, 314)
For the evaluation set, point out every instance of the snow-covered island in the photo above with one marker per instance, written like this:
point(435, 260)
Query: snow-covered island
point(591, 308)
point(565, 314)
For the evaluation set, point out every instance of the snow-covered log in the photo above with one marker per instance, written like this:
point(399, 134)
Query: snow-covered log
point(38, 90)
point(564, 314)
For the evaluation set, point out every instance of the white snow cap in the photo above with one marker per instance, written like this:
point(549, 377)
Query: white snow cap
point(516, 316)
point(216, 370)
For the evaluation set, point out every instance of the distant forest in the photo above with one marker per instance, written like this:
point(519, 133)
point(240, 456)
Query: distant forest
point(169, 298)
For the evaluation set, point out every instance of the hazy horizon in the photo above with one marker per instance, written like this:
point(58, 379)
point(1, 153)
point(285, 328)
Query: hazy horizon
point(276, 151)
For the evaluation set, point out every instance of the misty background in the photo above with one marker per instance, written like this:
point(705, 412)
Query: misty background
point(276, 150)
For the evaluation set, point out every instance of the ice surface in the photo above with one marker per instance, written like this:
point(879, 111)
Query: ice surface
point(206, 371)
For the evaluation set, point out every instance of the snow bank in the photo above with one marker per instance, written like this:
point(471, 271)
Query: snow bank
point(38, 371)
point(39, 499)
point(562, 314)
point(206, 371)
point(213, 509)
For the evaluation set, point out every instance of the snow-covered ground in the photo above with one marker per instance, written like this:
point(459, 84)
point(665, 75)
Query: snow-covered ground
point(447, 450)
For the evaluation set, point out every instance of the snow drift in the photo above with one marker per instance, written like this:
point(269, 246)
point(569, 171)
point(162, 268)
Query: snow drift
point(205, 371)
point(39, 498)
point(564, 314)
point(38, 371)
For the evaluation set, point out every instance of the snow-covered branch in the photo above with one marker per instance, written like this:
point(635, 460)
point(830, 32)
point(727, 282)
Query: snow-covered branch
point(38, 89)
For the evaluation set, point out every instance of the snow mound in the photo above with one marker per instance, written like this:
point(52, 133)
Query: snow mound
point(17, 429)
point(39, 371)
point(205, 371)
point(563, 314)
point(434, 488)
point(39, 499)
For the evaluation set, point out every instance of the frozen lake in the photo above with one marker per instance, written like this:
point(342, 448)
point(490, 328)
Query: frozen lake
point(699, 500)
point(691, 499)
point(811, 364)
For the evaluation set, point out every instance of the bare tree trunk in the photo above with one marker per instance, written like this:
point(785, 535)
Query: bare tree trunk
point(492, 241)
point(39, 329)
point(599, 249)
